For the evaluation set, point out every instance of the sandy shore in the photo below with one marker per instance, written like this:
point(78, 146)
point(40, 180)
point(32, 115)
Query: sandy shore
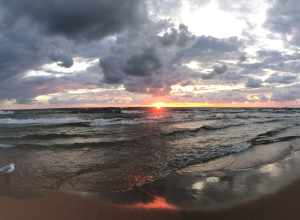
point(60, 206)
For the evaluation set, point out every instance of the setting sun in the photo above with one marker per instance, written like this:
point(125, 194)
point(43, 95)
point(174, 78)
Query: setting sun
point(159, 105)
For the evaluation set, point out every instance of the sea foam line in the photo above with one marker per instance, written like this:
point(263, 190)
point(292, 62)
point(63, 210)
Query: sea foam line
point(6, 112)
point(6, 146)
point(44, 121)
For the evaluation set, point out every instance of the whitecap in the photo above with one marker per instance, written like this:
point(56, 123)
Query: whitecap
point(116, 121)
point(103, 122)
point(132, 111)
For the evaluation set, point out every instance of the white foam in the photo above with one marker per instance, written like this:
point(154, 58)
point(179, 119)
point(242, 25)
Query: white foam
point(5, 146)
point(132, 111)
point(8, 168)
point(103, 122)
point(117, 121)
point(40, 121)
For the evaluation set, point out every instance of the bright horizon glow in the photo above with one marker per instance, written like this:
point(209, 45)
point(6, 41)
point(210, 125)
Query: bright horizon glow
point(166, 104)
point(258, 104)
point(159, 105)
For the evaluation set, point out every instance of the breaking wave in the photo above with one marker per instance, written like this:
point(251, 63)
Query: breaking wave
point(202, 128)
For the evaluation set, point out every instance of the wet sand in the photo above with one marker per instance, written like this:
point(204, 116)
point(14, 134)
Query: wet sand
point(61, 206)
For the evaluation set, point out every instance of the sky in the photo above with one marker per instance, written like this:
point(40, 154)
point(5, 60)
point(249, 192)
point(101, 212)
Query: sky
point(99, 53)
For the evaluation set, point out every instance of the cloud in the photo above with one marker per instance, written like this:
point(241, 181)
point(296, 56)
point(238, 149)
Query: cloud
point(19, 49)
point(210, 46)
point(278, 78)
point(34, 33)
point(220, 68)
point(144, 48)
point(89, 19)
point(143, 64)
point(283, 17)
point(62, 59)
point(180, 37)
point(289, 93)
point(254, 83)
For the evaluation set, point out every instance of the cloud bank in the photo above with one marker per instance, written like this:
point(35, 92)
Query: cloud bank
point(148, 50)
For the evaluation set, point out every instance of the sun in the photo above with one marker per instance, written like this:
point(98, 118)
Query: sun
point(159, 105)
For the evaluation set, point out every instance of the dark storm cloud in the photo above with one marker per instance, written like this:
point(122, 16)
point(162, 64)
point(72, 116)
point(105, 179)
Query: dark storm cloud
point(76, 18)
point(62, 59)
point(180, 37)
point(20, 49)
point(140, 62)
point(112, 68)
point(140, 72)
point(144, 55)
point(143, 64)
point(34, 33)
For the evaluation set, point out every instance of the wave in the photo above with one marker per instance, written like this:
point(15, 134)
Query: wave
point(49, 136)
point(77, 144)
point(199, 156)
point(101, 122)
point(268, 136)
point(210, 153)
point(116, 121)
point(41, 121)
point(202, 128)
point(132, 111)
point(5, 112)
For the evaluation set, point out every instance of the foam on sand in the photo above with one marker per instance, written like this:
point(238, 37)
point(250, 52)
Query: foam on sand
point(8, 168)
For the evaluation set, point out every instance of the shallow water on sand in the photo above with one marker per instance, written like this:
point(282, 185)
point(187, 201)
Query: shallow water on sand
point(193, 157)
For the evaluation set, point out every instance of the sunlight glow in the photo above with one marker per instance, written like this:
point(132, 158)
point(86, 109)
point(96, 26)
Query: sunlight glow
point(159, 105)
point(157, 203)
point(210, 20)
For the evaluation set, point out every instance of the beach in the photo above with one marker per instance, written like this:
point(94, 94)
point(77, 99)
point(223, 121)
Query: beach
point(60, 206)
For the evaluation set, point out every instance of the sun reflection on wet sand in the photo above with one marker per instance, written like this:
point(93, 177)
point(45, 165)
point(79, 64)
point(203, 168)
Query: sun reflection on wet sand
point(157, 203)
